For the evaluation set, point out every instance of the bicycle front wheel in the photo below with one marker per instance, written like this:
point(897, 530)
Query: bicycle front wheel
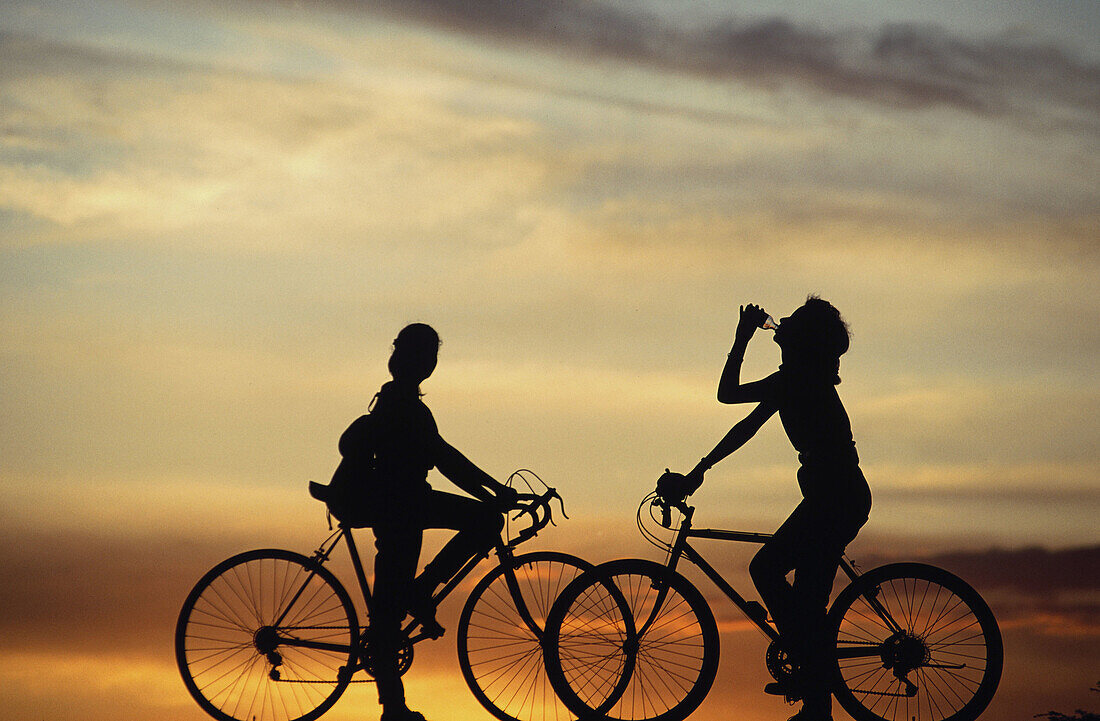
point(654, 662)
point(267, 635)
point(914, 642)
point(499, 651)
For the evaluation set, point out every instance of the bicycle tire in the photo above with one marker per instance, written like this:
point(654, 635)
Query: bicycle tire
point(655, 664)
point(500, 656)
point(949, 646)
point(235, 661)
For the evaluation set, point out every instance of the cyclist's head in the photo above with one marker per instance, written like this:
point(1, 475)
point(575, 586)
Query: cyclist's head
point(813, 338)
point(415, 352)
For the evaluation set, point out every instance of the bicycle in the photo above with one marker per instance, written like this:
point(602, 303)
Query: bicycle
point(272, 635)
point(913, 642)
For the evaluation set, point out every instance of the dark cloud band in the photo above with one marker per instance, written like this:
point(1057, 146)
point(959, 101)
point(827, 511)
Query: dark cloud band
point(901, 65)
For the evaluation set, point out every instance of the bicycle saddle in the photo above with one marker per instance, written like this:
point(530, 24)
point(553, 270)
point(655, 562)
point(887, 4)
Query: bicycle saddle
point(320, 491)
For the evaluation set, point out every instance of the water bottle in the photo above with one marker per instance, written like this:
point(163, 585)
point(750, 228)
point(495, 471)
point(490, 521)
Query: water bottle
point(769, 323)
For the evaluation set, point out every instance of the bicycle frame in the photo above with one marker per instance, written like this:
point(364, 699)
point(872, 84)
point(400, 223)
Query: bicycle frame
point(897, 640)
point(682, 548)
point(503, 550)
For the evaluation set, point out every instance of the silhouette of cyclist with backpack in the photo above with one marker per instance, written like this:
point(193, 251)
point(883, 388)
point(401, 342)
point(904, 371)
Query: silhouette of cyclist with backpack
point(836, 498)
point(382, 483)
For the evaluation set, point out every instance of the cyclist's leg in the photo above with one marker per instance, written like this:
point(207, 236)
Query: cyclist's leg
point(478, 525)
point(813, 581)
point(398, 552)
point(809, 543)
point(834, 525)
point(771, 564)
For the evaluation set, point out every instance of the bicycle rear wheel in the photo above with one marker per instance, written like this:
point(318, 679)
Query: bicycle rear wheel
point(914, 642)
point(267, 635)
point(498, 652)
point(655, 662)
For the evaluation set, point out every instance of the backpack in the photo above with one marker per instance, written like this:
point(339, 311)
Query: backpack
point(353, 483)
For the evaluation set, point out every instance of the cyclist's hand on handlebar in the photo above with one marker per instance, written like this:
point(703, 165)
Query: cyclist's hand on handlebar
point(506, 497)
point(673, 487)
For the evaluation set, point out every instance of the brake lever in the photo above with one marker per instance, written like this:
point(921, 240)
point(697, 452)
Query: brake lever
point(666, 515)
point(530, 509)
point(561, 504)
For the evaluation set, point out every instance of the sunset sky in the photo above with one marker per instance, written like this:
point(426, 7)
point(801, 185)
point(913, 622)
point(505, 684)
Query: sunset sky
point(215, 216)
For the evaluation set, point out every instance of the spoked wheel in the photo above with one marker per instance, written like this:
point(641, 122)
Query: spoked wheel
point(499, 653)
point(266, 635)
point(655, 662)
point(914, 642)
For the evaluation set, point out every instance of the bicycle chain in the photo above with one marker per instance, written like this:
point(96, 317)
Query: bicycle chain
point(315, 628)
point(882, 693)
point(319, 628)
point(294, 680)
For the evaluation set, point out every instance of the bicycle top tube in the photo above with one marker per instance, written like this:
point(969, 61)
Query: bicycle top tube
point(680, 546)
point(685, 530)
point(720, 534)
point(535, 506)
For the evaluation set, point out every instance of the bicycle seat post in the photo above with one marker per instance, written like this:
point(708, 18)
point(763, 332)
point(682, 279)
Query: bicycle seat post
point(357, 563)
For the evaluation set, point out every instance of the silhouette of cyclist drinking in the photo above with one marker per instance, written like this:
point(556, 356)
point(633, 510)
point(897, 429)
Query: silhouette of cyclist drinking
point(836, 498)
point(386, 458)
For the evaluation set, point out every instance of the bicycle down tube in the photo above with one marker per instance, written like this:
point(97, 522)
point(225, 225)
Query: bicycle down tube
point(681, 548)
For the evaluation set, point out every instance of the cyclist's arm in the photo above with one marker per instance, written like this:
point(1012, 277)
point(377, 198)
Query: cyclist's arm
point(463, 473)
point(732, 390)
point(737, 437)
